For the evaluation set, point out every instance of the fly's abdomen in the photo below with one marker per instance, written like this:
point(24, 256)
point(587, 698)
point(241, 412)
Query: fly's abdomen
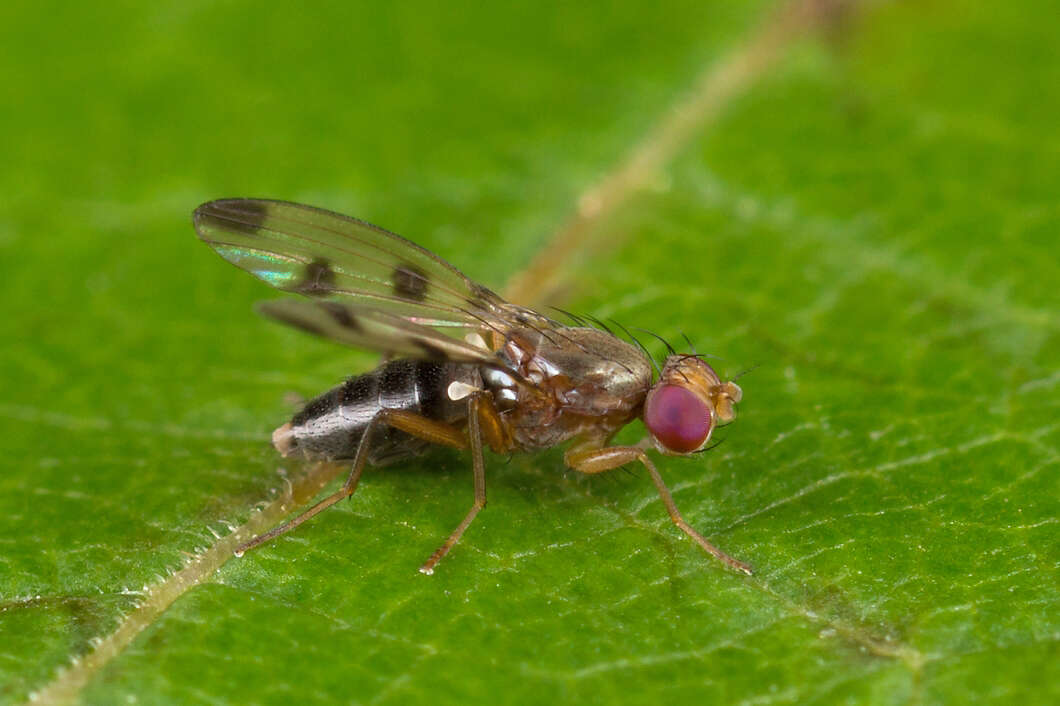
point(331, 426)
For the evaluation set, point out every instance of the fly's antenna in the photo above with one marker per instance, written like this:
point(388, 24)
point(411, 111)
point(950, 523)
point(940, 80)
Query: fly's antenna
point(654, 365)
point(746, 370)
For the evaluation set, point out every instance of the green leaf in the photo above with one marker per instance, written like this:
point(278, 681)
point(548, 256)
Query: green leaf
point(872, 224)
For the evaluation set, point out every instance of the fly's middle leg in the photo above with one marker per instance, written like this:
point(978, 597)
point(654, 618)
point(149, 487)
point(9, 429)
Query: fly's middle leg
point(483, 420)
point(411, 423)
point(597, 460)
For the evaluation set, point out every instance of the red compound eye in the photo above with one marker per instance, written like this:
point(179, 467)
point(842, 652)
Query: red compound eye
point(677, 418)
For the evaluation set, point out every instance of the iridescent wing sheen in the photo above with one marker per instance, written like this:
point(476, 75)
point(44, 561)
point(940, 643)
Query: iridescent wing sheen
point(322, 254)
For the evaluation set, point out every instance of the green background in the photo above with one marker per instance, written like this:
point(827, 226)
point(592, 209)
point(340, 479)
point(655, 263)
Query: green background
point(874, 224)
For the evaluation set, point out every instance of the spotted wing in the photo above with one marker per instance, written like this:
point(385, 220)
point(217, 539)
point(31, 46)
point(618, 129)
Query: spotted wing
point(322, 254)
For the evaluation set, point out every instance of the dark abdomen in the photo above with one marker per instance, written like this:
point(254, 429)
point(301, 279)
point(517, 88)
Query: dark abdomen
point(331, 426)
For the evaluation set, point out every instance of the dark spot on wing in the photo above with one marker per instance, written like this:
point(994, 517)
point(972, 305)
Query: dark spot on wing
point(431, 351)
point(318, 280)
point(296, 322)
point(410, 282)
point(341, 315)
point(233, 215)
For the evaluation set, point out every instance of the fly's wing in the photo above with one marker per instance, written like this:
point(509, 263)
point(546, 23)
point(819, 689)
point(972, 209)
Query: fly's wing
point(372, 328)
point(356, 268)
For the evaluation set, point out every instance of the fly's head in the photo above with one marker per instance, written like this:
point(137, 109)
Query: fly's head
point(686, 403)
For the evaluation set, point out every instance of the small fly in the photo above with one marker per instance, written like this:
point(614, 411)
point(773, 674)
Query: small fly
point(465, 368)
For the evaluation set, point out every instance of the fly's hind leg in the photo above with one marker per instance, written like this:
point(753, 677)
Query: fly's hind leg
point(408, 422)
point(596, 460)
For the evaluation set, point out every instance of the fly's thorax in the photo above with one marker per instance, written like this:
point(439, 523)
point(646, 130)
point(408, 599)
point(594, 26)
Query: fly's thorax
point(588, 371)
point(685, 405)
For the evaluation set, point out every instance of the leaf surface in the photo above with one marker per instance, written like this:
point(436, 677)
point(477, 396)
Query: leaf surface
point(873, 226)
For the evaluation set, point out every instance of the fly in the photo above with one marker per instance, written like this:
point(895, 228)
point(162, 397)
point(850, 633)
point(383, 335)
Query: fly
point(466, 369)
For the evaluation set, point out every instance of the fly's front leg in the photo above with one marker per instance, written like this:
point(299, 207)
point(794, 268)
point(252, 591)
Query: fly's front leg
point(482, 420)
point(590, 460)
point(408, 422)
